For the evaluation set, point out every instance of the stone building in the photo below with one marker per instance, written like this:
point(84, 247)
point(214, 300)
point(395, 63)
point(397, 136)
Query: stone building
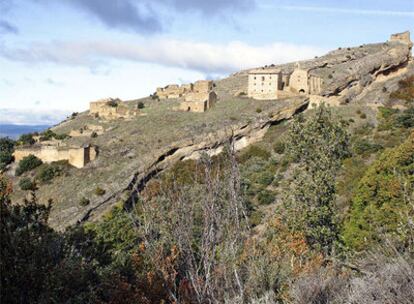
point(264, 83)
point(111, 108)
point(174, 91)
point(403, 37)
point(198, 102)
point(171, 91)
point(76, 156)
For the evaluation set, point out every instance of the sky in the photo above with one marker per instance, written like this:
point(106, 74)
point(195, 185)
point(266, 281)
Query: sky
point(58, 55)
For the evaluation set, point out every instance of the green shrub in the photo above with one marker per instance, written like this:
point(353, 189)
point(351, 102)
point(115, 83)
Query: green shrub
point(364, 147)
point(265, 178)
point(379, 206)
point(141, 105)
point(254, 151)
point(84, 201)
point(48, 172)
point(258, 110)
point(363, 116)
point(27, 184)
point(6, 151)
point(94, 134)
point(26, 139)
point(28, 163)
point(256, 218)
point(279, 147)
point(265, 197)
point(49, 134)
point(99, 191)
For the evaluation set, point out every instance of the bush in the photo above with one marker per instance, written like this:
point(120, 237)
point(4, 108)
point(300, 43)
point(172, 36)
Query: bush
point(49, 134)
point(27, 184)
point(363, 147)
point(26, 139)
point(141, 105)
point(258, 110)
point(265, 197)
point(254, 151)
point(380, 200)
point(99, 191)
point(48, 172)
point(266, 178)
point(279, 147)
point(363, 116)
point(6, 151)
point(28, 163)
point(94, 134)
point(84, 202)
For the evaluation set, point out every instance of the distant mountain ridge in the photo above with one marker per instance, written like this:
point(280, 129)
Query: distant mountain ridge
point(14, 131)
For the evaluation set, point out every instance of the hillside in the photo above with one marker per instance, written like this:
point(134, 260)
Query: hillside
point(130, 152)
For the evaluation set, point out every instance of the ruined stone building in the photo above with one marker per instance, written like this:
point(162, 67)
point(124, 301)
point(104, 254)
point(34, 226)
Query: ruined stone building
point(264, 83)
point(87, 130)
point(198, 102)
point(201, 98)
point(76, 156)
point(111, 108)
point(403, 37)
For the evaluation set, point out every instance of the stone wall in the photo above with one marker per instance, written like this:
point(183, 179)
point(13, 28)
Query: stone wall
point(174, 91)
point(298, 81)
point(264, 84)
point(402, 37)
point(198, 102)
point(111, 108)
point(76, 156)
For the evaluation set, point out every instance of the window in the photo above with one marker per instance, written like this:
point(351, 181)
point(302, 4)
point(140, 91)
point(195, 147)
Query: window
point(263, 78)
point(254, 77)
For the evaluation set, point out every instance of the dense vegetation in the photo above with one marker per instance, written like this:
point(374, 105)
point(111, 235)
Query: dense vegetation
point(321, 215)
point(6, 152)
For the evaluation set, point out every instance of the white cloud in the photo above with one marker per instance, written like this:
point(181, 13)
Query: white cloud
point(319, 9)
point(32, 116)
point(199, 56)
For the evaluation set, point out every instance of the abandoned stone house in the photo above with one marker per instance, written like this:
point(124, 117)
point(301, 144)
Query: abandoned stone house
point(174, 91)
point(111, 108)
point(264, 83)
point(198, 102)
point(76, 156)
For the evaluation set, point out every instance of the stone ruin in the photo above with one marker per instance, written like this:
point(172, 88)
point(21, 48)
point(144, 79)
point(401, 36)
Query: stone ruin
point(403, 37)
point(87, 130)
point(198, 96)
point(111, 108)
point(77, 156)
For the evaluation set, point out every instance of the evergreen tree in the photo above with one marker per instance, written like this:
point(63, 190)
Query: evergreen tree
point(316, 145)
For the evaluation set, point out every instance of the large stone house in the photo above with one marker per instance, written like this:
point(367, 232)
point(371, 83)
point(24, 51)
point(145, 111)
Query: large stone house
point(264, 84)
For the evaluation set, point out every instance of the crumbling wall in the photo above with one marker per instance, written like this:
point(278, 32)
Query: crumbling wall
point(298, 81)
point(76, 156)
point(111, 108)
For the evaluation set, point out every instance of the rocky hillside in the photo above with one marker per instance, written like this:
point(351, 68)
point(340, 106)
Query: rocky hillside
point(132, 151)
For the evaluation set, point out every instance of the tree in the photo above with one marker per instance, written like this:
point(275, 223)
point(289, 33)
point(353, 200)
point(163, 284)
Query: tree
point(28, 163)
point(316, 145)
point(6, 151)
point(384, 200)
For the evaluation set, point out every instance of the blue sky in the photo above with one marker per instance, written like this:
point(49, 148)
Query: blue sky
point(56, 56)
